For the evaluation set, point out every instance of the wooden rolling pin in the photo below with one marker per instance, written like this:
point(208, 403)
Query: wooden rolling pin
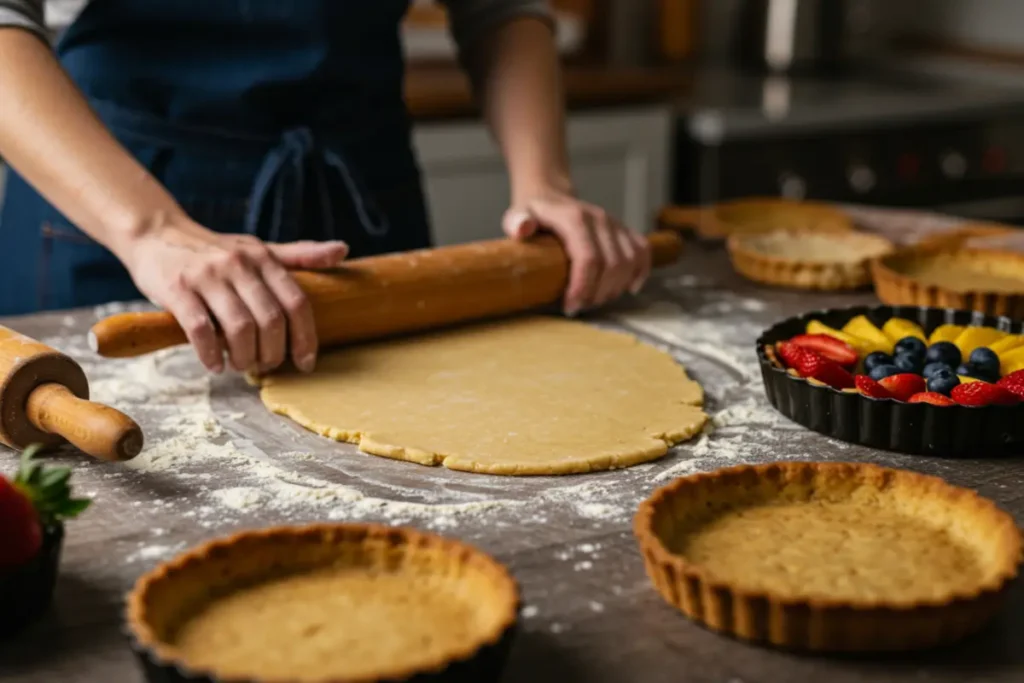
point(379, 296)
point(44, 398)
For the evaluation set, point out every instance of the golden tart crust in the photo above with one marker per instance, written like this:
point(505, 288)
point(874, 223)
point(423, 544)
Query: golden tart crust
point(331, 603)
point(801, 260)
point(986, 280)
point(829, 556)
point(743, 216)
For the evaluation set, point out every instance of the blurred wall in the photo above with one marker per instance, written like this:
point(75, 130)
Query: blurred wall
point(986, 24)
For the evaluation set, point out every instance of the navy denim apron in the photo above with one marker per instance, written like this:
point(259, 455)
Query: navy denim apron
point(279, 118)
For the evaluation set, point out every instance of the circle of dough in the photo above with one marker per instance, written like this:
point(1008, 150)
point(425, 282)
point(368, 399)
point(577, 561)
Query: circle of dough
point(525, 396)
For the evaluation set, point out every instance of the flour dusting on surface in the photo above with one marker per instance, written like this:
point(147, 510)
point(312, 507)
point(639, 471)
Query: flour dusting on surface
point(211, 461)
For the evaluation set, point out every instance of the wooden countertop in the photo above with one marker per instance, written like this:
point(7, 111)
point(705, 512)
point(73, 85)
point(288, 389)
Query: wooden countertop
point(443, 91)
point(216, 462)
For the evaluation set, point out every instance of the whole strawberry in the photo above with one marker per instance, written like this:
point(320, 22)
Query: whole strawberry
point(37, 497)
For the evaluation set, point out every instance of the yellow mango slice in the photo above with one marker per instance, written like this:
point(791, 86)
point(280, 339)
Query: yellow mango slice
point(964, 379)
point(862, 328)
point(945, 333)
point(899, 328)
point(976, 337)
point(1007, 344)
point(1011, 361)
point(818, 327)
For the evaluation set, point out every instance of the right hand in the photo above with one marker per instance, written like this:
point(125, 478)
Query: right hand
point(236, 284)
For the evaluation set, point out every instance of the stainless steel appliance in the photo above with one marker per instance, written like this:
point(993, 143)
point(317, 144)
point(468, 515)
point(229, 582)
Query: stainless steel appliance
point(889, 139)
point(788, 36)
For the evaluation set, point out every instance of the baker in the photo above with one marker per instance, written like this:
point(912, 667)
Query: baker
point(192, 152)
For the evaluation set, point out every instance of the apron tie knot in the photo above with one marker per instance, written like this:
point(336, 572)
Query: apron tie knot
point(282, 180)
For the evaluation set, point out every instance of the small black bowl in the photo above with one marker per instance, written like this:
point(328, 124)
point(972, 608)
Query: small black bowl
point(915, 428)
point(27, 591)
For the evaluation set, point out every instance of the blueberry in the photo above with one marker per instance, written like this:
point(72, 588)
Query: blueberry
point(880, 372)
point(911, 345)
point(936, 367)
point(944, 352)
point(873, 360)
point(943, 382)
point(966, 369)
point(908, 362)
point(986, 361)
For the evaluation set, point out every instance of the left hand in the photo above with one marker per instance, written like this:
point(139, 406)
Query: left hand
point(606, 258)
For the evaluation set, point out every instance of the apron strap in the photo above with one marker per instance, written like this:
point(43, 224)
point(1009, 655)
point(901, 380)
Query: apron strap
point(282, 178)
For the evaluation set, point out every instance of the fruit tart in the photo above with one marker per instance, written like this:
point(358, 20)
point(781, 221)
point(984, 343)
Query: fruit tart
point(866, 375)
point(801, 260)
point(328, 602)
point(33, 507)
point(829, 556)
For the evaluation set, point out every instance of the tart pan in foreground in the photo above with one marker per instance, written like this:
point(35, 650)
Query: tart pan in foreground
point(830, 557)
point(914, 428)
point(26, 592)
point(958, 270)
point(331, 603)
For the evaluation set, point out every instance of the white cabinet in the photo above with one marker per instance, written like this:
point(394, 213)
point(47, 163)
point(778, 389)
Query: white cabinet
point(620, 160)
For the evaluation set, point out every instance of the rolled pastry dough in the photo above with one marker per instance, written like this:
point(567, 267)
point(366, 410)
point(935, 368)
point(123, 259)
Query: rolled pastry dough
point(524, 396)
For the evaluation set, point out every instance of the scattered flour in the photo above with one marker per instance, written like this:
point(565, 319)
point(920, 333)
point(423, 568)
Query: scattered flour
point(199, 465)
point(529, 612)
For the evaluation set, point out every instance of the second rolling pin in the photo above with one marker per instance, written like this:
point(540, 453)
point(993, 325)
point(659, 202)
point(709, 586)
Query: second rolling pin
point(378, 296)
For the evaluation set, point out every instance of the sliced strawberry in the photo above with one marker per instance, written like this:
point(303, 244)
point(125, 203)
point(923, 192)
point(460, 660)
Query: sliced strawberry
point(812, 365)
point(904, 385)
point(835, 350)
point(1014, 383)
point(933, 397)
point(870, 387)
point(793, 356)
point(983, 394)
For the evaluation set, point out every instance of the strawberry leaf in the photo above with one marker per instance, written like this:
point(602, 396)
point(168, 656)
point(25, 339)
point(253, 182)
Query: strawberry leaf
point(48, 489)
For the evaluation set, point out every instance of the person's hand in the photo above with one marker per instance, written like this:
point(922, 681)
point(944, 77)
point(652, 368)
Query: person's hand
point(233, 284)
point(606, 258)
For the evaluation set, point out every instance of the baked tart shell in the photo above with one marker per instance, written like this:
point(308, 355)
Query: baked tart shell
point(817, 624)
point(755, 215)
point(254, 556)
point(895, 286)
point(791, 272)
point(913, 428)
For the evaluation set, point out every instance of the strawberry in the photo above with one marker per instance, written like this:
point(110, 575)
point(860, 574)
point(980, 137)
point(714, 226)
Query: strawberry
point(983, 394)
point(36, 498)
point(871, 388)
point(904, 385)
point(1014, 383)
point(835, 350)
point(932, 397)
point(812, 365)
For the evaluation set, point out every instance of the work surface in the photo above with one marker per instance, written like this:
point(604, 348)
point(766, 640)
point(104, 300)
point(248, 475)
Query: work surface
point(216, 462)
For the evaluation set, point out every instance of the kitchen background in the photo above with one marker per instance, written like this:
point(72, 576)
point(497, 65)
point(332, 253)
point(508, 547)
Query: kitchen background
point(914, 104)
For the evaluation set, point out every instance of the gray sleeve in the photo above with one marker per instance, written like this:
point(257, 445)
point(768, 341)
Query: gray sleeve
point(471, 19)
point(27, 14)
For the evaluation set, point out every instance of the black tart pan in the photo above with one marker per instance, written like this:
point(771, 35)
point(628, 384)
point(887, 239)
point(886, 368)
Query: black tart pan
point(27, 591)
point(914, 428)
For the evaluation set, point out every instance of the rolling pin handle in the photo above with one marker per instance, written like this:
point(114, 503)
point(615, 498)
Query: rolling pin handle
point(97, 430)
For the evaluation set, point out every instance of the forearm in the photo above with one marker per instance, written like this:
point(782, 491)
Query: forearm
point(49, 134)
point(517, 76)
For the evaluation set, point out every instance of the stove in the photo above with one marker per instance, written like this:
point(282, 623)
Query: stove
point(881, 136)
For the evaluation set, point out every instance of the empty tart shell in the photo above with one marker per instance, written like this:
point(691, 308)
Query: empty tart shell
point(331, 603)
point(987, 280)
point(829, 556)
point(799, 260)
point(754, 215)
